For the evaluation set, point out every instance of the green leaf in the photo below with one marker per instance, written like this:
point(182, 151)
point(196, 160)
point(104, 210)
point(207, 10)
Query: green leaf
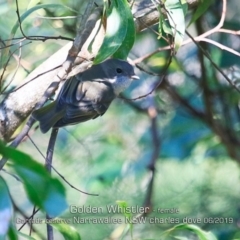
point(128, 42)
point(184, 6)
point(5, 209)
point(166, 28)
point(12, 233)
point(202, 235)
point(69, 232)
point(123, 205)
point(49, 194)
point(160, 24)
point(201, 9)
point(54, 194)
point(176, 17)
point(117, 25)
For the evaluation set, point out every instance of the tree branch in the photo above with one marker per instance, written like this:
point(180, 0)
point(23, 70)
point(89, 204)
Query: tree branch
point(18, 105)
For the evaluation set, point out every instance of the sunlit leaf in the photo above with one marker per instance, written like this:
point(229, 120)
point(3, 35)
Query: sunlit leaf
point(176, 17)
point(128, 42)
point(117, 28)
point(160, 24)
point(184, 6)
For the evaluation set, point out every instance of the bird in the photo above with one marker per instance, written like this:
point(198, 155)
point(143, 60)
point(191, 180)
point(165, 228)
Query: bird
point(86, 95)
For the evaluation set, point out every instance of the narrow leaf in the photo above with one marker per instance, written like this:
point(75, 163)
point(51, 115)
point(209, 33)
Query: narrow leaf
point(176, 18)
point(184, 6)
point(128, 42)
point(30, 11)
point(117, 25)
point(23, 17)
point(201, 9)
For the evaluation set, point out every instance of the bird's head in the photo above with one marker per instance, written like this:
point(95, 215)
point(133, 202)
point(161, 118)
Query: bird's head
point(119, 73)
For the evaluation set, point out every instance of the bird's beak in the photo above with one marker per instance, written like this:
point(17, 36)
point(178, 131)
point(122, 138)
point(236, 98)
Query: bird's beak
point(135, 77)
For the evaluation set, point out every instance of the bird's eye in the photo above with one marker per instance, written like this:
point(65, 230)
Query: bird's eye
point(119, 70)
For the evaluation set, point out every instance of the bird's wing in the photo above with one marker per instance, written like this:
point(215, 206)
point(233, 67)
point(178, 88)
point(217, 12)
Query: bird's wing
point(84, 100)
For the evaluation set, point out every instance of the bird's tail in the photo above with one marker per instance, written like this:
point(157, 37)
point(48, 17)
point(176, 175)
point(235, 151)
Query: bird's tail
point(48, 116)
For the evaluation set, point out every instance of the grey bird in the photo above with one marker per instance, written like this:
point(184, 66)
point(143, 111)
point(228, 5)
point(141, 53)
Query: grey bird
point(86, 95)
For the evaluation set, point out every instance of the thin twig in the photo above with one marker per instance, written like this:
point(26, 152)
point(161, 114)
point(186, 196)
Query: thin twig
point(77, 44)
point(214, 64)
point(60, 175)
point(64, 179)
point(37, 38)
point(221, 46)
point(48, 165)
point(17, 67)
point(206, 95)
point(62, 73)
point(26, 220)
point(12, 175)
point(158, 82)
point(4, 70)
point(199, 38)
point(230, 141)
point(29, 218)
point(7, 46)
point(152, 113)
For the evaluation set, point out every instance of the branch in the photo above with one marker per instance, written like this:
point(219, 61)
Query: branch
point(152, 113)
point(147, 14)
point(221, 46)
point(48, 164)
point(57, 172)
point(11, 116)
point(206, 54)
point(202, 37)
point(230, 141)
point(18, 105)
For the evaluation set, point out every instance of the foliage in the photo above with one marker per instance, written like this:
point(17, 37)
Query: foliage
point(120, 32)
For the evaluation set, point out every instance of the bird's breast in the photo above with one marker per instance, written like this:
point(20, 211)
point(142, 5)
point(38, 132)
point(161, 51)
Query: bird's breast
point(92, 90)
